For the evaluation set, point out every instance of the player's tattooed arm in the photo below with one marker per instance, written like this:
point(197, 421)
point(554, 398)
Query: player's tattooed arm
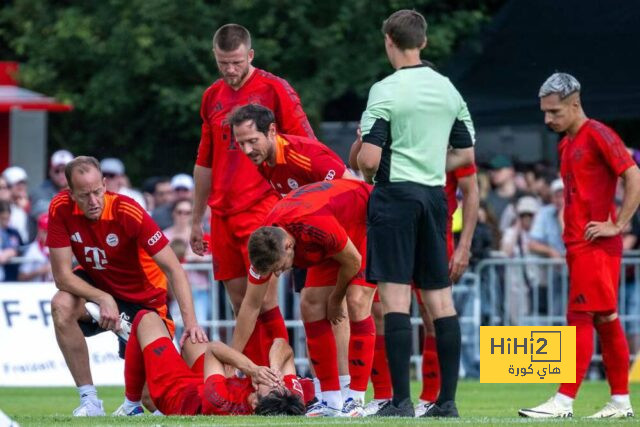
point(350, 262)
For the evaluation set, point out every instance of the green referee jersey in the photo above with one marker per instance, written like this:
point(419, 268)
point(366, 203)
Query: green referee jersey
point(414, 115)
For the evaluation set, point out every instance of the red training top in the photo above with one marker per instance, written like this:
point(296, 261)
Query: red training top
point(452, 186)
point(590, 164)
point(235, 181)
point(301, 161)
point(226, 396)
point(115, 250)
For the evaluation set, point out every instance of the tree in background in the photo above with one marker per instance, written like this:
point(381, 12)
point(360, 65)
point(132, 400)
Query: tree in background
point(135, 69)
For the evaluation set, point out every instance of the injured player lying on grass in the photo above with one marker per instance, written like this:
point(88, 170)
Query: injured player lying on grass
point(201, 382)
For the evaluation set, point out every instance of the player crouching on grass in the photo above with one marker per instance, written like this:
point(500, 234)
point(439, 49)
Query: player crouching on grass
point(320, 226)
point(204, 389)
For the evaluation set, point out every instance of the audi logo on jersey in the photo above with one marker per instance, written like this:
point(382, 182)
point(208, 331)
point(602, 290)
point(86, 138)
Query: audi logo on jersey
point(95, 256)
point(154, 239)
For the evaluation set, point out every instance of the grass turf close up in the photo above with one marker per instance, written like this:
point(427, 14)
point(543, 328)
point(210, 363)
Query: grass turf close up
point(479, 404)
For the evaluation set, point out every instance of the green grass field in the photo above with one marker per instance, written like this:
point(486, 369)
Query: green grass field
point(479, 404)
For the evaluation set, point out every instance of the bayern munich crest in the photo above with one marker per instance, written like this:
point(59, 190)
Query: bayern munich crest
point(112, 240)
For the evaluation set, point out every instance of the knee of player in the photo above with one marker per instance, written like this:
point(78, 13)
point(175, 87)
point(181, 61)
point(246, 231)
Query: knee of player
point(65, 307)
point(358, 305)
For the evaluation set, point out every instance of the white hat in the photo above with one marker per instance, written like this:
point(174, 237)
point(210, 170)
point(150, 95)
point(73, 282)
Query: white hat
point(527, 205)
point(112, 165)
point(61, 158)
point(182, 180)
point(14, 175)
point(557, 185)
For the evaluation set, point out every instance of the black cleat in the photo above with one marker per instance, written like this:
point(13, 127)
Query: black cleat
point(404, 409)
point(445, 410)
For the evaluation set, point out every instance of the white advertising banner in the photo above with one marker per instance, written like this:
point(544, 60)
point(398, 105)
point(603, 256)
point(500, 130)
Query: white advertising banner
point(29, 353)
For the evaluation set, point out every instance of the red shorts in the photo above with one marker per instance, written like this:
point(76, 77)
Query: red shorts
point(326, 272)
point(173, 387)
point(594, 277)
point(229, 237)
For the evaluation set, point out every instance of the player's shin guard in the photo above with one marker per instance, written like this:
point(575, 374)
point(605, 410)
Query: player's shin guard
point(380, 377)
point(134, 373)
point(323, 354)
point(584, 349)
point(448, 344)
point(361, 344)
point(430, 370)
point(615, 355)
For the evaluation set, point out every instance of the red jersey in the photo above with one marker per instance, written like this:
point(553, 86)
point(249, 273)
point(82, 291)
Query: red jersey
point(115, 250)
point(590, 163)
point(226, 396)
point(452, 186)
point(321, 217)
point(301, 161)
point(235, 181)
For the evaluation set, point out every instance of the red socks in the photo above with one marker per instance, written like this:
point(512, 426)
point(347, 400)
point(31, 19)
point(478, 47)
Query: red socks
point(272, 327)
point(254, 349)
point(361, 344)
point(323, 354)
point(380, 377)
point(615, 355)
point(584, 350)
point(134, 374)
point(430, 370)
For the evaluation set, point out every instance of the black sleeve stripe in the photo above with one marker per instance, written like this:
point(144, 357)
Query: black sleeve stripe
point(379, 133)
point(460, 136)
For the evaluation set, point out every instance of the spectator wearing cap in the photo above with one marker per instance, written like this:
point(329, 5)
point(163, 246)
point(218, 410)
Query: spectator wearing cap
point(56, 181)
point(117, 181)
point(504, 191)
point(519, 279)
point(36, 265)
point(16, 179)
point(182, 186)
point(546, 231)
point(10, 242)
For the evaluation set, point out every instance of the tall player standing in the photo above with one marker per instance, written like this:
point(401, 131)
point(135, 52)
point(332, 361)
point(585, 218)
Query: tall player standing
point(224, 177)
point(592, 157)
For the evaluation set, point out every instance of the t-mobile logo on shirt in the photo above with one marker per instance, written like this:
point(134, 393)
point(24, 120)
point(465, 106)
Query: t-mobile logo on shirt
point(95, 256)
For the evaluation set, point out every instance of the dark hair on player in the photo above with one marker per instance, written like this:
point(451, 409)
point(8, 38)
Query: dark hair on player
point(280, 402)
point(266, 247)
point(83, 164)
point(230, 36)
point(261, 116)
point(407, 29)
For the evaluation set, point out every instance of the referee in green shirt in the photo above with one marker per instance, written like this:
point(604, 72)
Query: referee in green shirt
point(415, 128)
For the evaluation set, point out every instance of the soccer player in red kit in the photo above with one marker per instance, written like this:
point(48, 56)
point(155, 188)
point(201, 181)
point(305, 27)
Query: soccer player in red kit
point(125, 264)
point(224, 177)
point(203, 388)
point(592, 157)
point(322, 227)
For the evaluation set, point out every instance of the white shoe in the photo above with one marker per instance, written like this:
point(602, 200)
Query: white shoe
point(353, 408)
point(320, 409)
point(421, 407)
point(123, 412)
point(549, 409)
point(89, 408)
point(5, 421)
point(94, 311)
point(614, 410)
point(374, 406)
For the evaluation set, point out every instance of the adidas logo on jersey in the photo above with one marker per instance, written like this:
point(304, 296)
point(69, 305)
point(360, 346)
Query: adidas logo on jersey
point(75, 237)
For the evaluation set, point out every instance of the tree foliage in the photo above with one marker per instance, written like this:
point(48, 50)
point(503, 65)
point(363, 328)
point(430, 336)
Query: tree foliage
point(135, 69)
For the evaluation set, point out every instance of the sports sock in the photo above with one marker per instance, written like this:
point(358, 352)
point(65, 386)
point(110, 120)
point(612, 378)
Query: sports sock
point(361, 344)
point(397, 337)
point(563, 400)
point(317, 390)
point(584, 350)
point(448, 347)
point(253, 349)
point(134, 373)
point(130, 405)
point(87, 392)
point(380, 377)
point(323, 354)
point(615, 355)
point(621, 399)
point(344, 381)
point(430, 370)
point(333, 399)
point(272, 327)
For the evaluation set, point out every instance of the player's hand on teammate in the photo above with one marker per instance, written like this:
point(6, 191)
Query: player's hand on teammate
point(195, 333)
point(335, 310)
point(596, 229)
point(458, 263)
point(109, 313)
point(199, 245)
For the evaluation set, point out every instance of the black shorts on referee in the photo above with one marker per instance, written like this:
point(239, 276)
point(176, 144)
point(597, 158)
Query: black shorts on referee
point(406, 235)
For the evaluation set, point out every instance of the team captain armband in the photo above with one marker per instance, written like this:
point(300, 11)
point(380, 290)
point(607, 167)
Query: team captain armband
point(256, 279)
